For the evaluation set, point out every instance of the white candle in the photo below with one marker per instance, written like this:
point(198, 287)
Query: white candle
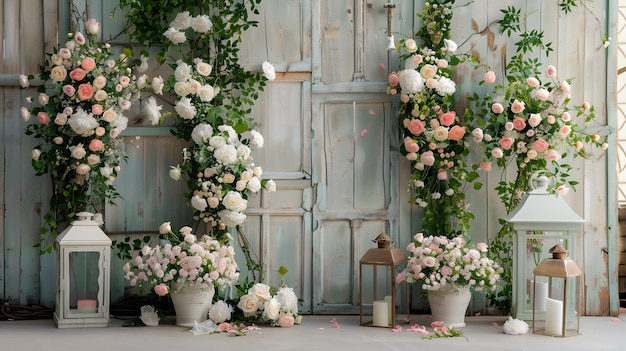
point(541, 289)
point(554, 316)
point(87, 306)
point(381, 314)
point(390, 306)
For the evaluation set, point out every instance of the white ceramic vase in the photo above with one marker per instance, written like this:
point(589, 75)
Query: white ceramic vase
point(449, 306)
point(192, 303)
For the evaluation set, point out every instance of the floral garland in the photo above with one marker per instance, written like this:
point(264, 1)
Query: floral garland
point(433, 136)
point(79, 119)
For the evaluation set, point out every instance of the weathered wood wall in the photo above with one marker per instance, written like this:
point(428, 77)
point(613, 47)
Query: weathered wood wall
point(330, 143)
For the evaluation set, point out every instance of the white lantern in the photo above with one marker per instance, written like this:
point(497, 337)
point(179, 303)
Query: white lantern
point(83, 283)
point(541, 220)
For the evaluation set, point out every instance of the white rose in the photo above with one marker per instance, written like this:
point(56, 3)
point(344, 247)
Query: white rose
point(25, 114)
point(201, 133)
point(153, 111)
point(182, 88)
point(230, 218)
point(226, 154)
point(78, 151)
point(288, 300)
point(271, 309)
point(157, 85)
point(198, 203)
point(201, 24)
point(410, 45)
point(234, 202)
point(182, 20)
point(82, 169)
point(206, 93)
point(249, 304)
point(203, 68)
point(165, 228)
point(35, 154)
point(270, 185)
point(175, 36)
point(182, 72)
point(194, 86)
point(268, 71)
point(24, 83)
point(217, 141)
point(254, 184)
point(92, 26)
point(261, 291)
point(185, 109)
point(175, 172)
point(99, 82)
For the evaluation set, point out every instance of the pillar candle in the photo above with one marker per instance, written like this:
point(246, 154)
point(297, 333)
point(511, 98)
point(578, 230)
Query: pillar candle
point(554, 316)
point(87, 306)
point(541, 289)
point(381, 314)
point(390, 306)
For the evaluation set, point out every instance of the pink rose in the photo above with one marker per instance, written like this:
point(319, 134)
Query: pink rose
point(456, 133)
point(429, 261)
point(428, 158)
point(518, 106)
point(540, 145)
point(88, 64)
point(485, 166)
point(393, 79)
point(532, 82)
point(96, 145)
point(566, 117)
point(534, 119)
point(562, 190)
point(519, 123)
point(400, 277)
point(442, 174)
point(161, 289)
point(69, 90)
point(410, 145)
point(565, 130)
point(552, 155)
point(542, 94)
point(490, 77)
point(285, 320)
point(43, 118)
point(497, 153)
point(551, 119)
point(447, 119)
point(478, 135)
point(482, 247)
point(551, 71)
point(506, 143)
point(97, 109)
point(78, 74)
point(185, 230)
point(416, 127)
point(79, 38)
point(85, 91)
point(497, 108)
point(393, 91)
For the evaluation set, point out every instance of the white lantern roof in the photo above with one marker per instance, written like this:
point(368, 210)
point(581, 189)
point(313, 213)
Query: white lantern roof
point(84, 232)
point(541, 210)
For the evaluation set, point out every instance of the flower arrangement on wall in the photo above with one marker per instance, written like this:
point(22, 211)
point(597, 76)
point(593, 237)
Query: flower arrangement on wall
point(79, 117)
point(433, 136)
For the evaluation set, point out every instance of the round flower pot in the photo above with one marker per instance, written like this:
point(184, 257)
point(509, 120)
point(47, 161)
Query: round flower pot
point(192, 303)
point(449, 305)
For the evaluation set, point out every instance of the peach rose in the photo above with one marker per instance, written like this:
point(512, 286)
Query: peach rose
point(456, 133)
point(82, 169)
point(96, 109)
point(410, 145)
point(285, 320)
point(497, 108)
point(416, 127)
point(490, 77)
point(428, 71)
point(96, 145)
point(161, 289)
point(540, 145)
point(88, 64)
point(565, 130)
point(85, 91)
point(78, 74)
point(506, 143)
point(485, 166)
point(99, 82)
point(518, 106)
point(93, 159)
point(447, 119)
point(43, 118)
point(519, 123)
point(393, 79)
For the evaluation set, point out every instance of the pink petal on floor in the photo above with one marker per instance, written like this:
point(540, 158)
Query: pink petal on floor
point(336, 326)
point(614, 319)
point(375, 36)
point(382, 66)
point(363, 132)
point(319, 329)
point(495, 324)
point(334, 320)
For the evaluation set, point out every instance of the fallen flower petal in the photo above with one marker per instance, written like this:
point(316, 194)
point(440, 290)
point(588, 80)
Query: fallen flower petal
point(319, 329)
point(495, 324)
point(336, 326)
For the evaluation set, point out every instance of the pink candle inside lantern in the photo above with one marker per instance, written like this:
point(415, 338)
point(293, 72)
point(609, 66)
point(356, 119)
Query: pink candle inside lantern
point(87, 306)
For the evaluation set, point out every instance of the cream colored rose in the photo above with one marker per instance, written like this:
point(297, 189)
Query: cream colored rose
point(206, 93)
point(78, 151)
point(441, 133)
point(100, 131)
point(213, 202)
point(56, 59)
point(82, 169)
point(228, 178)
point(99, 82)
point(175, 173)
point(531, 154)
point(248, 304)
point(270, 185)
point(271, 309)
point(194, 86)
point(58, 140)
point(35, 154)
point(410, 45)
point(43, 99)
point(431, 83)
point(203, 68)
point(58, 73)
point(254, 184)
point(428, 71)
point(60, 119)
point(100, 95)
point(182, 88)
point(109, 115)
point(261, 291)
point(93, 159)
point(234, 201)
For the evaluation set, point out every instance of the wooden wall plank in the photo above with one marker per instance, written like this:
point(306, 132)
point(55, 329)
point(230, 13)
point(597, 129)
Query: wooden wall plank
point(337, 41)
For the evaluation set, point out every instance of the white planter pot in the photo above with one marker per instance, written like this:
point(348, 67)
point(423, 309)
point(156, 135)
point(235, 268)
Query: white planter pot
point(449, 306)
point(192, 304)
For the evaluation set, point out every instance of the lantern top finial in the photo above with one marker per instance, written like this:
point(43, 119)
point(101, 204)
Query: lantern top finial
point(383, 240)
point(558, 252)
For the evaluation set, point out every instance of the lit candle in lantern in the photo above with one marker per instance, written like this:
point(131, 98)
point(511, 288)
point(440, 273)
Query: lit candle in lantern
point(554, 316)
point(87, 306)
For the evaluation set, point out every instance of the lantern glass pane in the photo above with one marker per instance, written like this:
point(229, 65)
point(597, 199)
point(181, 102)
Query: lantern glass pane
point(84, 281)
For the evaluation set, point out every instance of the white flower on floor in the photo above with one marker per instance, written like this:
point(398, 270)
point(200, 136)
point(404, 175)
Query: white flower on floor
point(515, 326)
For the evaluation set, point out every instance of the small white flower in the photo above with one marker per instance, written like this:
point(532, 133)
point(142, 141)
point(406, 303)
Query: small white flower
point(268, 71)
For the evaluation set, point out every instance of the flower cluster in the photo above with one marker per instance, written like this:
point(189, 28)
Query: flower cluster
point(278, 307)
point(437, 261)
point(433, 137)
point(80, 116)
point(224, 172)
point(529, 123)
point(183, 261)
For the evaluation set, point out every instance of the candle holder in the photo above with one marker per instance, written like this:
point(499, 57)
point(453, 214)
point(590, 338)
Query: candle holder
point(83, 283)
point(561, 316)
point(377, 305)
